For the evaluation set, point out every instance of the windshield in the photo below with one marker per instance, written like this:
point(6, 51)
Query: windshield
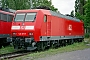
point(30, 17)
point(25, 17)
point(20, 17)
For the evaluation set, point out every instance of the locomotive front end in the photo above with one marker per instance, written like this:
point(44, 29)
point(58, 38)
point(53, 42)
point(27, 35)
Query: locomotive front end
point(22, 31)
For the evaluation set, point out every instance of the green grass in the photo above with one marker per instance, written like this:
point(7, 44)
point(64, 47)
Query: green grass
point(73, 47)
point(32, 56)
point(6, 50)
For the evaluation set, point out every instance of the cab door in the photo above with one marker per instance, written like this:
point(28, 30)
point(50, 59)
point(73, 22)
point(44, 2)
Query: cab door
point(0, 27)
point(48, 25)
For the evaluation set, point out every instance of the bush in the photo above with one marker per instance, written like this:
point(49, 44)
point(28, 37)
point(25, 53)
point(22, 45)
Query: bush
point(87, 35)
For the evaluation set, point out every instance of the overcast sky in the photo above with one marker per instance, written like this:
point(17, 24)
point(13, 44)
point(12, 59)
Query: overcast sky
point(64, 6)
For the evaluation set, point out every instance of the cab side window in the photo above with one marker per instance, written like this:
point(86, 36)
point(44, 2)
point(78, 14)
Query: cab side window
point(0, 16)
point(4, 17)
point(45, 18)
point(10, 17)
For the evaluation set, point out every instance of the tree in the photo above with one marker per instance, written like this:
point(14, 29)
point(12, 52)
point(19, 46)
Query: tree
point(25, 4)
point(72, 13)
point(87, 13)
point(79, 9)
point(82, 11)
point(79, 6)
point(44, 3)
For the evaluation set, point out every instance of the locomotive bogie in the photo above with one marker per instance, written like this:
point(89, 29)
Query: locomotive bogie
point(25, 43)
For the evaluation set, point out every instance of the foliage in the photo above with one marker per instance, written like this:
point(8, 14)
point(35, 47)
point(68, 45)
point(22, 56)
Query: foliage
point(87, 35)
point(82, 11)
point(44, 3)
point(87, 13)
point(79, 6)
point(15, 4)
point(79, 16)
point(72, 13)
point(8, 49)
point(25, 4)
point(76, 5)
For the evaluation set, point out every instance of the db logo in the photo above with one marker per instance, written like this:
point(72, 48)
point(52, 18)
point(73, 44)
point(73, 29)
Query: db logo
point(70, 27)
point(22, 27)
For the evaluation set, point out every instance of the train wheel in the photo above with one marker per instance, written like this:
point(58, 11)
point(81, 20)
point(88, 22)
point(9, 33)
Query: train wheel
point(63, 42)
point(58, 43)
point(75, 40)
point(66, 42)
point(72, 41)
point(40, 46)
point(53, 44)
point(69, 41)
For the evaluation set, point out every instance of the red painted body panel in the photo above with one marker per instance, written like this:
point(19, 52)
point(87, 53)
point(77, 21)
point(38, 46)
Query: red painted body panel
point(62, 27)
point(5, 27)
point(77, 28)
point(55, 26)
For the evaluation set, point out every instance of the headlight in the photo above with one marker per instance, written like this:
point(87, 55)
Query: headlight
point(14, 33)
point(30, 33)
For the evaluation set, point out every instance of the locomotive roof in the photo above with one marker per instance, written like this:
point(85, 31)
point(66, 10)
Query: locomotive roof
point(63, 16)
point(7, 10)
point(51, 13)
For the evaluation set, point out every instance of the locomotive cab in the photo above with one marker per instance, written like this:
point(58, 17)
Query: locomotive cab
point(26, 27)
point(23, 24)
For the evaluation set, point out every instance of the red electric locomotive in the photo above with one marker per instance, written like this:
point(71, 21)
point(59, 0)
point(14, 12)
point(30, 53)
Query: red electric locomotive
point(39, 28)
point(6, 16)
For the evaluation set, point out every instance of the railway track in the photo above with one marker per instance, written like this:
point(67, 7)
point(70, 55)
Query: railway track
point(14, 54)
